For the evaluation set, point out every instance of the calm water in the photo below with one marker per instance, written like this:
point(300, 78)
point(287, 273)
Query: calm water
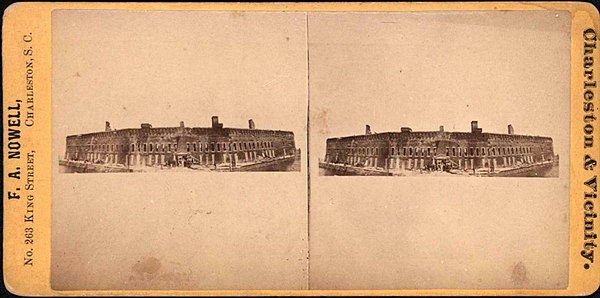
point(65, 169)
point(330, 172)
point(550, 171)
point(290, 165)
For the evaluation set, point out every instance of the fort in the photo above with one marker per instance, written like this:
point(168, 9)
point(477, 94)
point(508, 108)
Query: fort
point(467, 152)
point(199, 147)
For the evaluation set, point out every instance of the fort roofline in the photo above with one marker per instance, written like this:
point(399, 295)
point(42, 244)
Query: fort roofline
point(466, 151)
point(435, 132)
point(216, 126)
point(175, 128)
point(475, 132)
point(180, 145)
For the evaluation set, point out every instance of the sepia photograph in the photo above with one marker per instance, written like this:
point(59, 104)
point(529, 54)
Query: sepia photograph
point(442, 141)
point(179, 150)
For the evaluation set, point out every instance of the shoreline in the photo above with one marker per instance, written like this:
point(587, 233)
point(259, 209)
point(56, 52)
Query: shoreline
point(347, 170)
point(87, 167)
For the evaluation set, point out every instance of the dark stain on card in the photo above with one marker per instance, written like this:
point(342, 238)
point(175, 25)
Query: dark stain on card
point(149, 265)
point(519, 274)
point(150, 271)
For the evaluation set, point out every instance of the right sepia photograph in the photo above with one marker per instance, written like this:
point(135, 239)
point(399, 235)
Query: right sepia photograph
point(439, 149)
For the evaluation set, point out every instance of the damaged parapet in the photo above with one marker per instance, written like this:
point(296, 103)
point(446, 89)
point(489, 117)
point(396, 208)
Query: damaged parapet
point(180, 146)
point(474, 153)
point(475, 127)
point(251, 124)
point(368, 129)
point(107, 126)
point(215, 122)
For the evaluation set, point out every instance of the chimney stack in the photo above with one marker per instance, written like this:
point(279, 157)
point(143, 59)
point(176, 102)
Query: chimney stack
point(441, 128)
point(475, 128)
point(107, 126)
point(215, 122)
point(511, 130)
point(368, 129)
point(181, 124)
point(251, 124)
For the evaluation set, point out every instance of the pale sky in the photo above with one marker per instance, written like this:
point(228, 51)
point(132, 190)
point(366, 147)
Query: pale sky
point(162, 67)
point(423, 70)
point(388, 70)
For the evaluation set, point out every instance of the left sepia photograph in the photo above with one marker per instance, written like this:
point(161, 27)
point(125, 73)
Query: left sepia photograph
point(179, 142)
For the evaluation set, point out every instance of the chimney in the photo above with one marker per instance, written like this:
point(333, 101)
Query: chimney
point(475, 128)
point(511, 131)
point(146, 125)
point(251, 124)
point(215, 122)
point(368, 129)
point(181, 124)
point(107, 126)
point(405, 129)
point(441, 128)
